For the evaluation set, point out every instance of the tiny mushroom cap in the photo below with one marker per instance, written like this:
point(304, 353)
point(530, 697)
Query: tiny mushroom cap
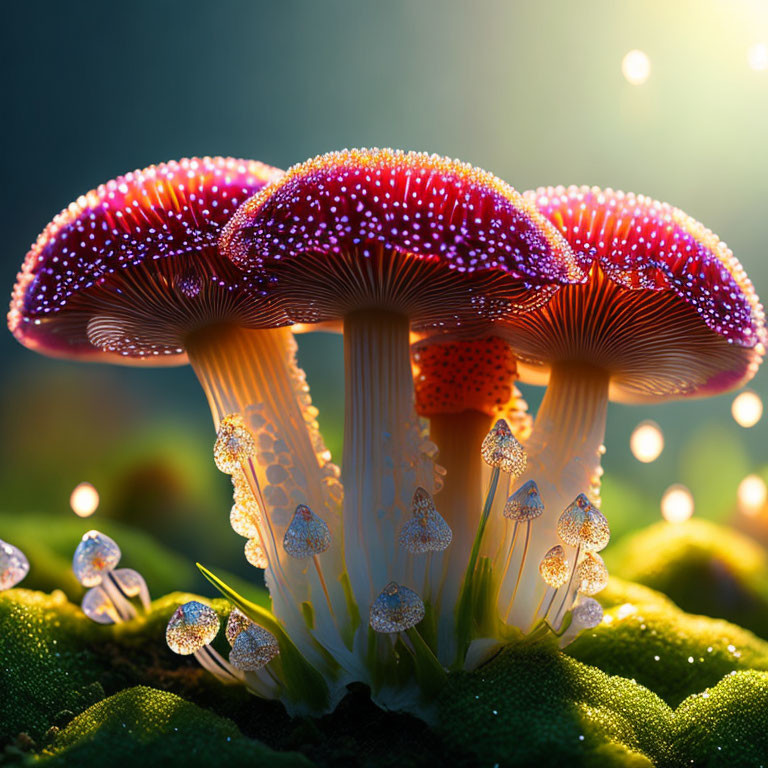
point(14, 565)
point(95, 554)
point(434, 239)
point(554, 568)
point(253, 648)
point(587, 613)
point(667, 310)
point(502, 450)
point(591, 574)
point(582, 524)
point(307, 535)
point(525, 503)
point(131, 268)
point(396, 609)
point(426, 530)
point(192, 626)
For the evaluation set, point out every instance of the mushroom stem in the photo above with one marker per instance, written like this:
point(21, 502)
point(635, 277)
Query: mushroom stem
point(118, 598)
point(564, 459)
point(458, 437)
point(217, 665)
point(569, 593)
point(254, 373)
point(381, 451)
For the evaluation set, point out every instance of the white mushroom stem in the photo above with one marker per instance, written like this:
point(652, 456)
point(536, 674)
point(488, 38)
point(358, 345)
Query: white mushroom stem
point(117, 597)
point(381, 464)
point(564, 459)
point(217, 665)
point(254, 373)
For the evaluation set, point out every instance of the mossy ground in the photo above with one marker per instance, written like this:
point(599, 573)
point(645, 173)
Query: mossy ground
point(75, 693)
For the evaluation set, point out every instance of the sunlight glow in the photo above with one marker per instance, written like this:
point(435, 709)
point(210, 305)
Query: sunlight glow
point(636, 67)
point(757, 56)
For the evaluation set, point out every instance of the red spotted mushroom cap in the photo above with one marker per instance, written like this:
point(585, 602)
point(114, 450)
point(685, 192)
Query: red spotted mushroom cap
point(667, 310)
point(456, 376)
point(436, 239)
point(130, 268)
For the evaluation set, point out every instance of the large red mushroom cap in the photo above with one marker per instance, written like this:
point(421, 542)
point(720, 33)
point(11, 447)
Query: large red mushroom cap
point(667, 310)
point(129, 269)
point(417, 234)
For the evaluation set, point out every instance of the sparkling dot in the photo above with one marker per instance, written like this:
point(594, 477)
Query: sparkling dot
point(757, 56)
point(647, 442)
point(636, 67)
point(84, 500)
point(747, 408)
point(676, 504)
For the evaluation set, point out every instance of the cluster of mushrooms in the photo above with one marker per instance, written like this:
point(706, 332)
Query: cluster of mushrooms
point(456, 524)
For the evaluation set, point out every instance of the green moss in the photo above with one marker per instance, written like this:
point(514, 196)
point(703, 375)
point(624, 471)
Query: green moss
point(724, 727)
point(146, 727)
point(705, 568)
point(646, 638)
point(47, 666)
point(535, 706)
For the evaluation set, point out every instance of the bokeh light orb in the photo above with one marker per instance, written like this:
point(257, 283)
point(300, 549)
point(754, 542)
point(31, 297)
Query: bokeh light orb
point(752, 495)
point(636, 67)
point(747, 408)
point(757, 56)
point(84, 500)
point(677, 504)
point(647, 441)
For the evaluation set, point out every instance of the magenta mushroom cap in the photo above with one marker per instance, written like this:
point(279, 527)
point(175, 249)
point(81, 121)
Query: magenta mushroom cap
point(126, 271)
point(419, 234)
point(667, 310)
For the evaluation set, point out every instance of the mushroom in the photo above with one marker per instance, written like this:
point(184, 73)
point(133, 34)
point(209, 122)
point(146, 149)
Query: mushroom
point(191, 630)
point(666, 312)
point(382, 243)
point(253, 647)
point(130, 273)
point(14, 565)
point(111, 589)
point(463, 386)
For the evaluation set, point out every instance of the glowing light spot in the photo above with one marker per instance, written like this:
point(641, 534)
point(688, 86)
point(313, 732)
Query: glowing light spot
point(625, 611)
point(647, 442)
point(757, 56)
point(84, 500)
point(747, 408)
point(752, 495)
point(677, 504)
point(636, 67)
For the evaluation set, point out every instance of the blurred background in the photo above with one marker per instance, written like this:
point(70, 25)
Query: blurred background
point(667, 99)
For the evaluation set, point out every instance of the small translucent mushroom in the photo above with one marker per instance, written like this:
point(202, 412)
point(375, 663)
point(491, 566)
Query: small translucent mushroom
point(253, 647)
point(94, 565)
point(396, 609)
point(583, 527)
point(587, 613)
point(308, 536)
point(522, 507)
point(191, 629)
point(554, 570)
point(426, 530)
point(384, 242)
point(14, 565)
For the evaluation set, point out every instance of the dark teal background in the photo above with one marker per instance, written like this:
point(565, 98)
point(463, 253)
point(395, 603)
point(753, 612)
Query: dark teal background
point(530, 90)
